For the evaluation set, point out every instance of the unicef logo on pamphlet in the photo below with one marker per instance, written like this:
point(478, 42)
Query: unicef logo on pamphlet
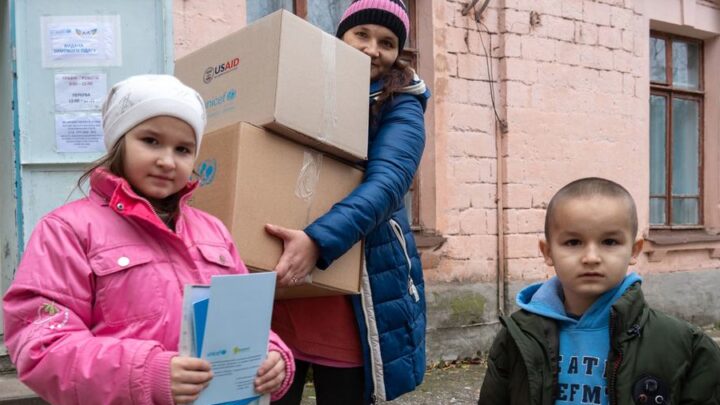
point(231, 94)
point(217, 353)
point(206, 171)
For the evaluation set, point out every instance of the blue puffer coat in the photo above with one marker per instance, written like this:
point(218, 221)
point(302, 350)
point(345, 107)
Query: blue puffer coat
point(391, 309)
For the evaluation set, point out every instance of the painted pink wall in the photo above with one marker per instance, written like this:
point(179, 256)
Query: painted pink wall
point(198, 22)
point(574, 88)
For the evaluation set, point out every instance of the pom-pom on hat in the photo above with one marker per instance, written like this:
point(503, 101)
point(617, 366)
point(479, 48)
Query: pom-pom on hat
point(391, 14)
point(141, 97)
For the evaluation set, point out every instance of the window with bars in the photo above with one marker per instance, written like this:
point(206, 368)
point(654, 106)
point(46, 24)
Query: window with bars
point(326, 14)
point(322, 13)
point(676, 131)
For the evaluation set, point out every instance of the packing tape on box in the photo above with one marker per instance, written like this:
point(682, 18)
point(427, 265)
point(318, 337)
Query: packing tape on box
point(328, 46)
point(309, 175)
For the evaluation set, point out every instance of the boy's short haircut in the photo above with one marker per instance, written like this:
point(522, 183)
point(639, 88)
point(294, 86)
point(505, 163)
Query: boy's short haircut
point(587, 187)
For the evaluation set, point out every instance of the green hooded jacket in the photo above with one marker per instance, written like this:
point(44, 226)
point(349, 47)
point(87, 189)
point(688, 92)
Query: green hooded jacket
point(653, 356)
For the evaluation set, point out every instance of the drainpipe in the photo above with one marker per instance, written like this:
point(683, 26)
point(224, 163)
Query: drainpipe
point(500, 171)
point(501, 127)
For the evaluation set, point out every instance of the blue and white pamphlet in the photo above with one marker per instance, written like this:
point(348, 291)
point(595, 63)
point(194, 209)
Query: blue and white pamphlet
point(228, 324)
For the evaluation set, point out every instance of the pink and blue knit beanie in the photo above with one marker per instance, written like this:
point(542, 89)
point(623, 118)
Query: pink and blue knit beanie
point(391, 14)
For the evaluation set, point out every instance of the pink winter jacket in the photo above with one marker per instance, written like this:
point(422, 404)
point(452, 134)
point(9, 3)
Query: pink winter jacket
point(93, 315)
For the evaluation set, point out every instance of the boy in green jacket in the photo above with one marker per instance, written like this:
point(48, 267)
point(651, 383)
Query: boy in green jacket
point(587, 336)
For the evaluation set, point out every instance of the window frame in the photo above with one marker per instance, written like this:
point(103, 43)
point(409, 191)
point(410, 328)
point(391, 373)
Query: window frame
point(669, 92)
point(410, 53)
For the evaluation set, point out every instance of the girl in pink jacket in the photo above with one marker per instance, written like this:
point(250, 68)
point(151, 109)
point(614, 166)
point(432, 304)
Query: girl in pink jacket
point(93, 315)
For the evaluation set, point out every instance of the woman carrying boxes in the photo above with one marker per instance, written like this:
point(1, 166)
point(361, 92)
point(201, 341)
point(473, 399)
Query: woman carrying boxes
point(372, 346)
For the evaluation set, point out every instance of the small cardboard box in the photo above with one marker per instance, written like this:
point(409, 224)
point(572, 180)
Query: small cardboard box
point(251, 177)
point(289, 76)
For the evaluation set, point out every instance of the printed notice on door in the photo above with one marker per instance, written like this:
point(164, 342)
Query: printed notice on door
point(81, 41)
point(79, 132)
point(79, 91)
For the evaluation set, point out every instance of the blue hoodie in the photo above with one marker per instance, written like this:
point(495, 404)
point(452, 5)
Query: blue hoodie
point(584, 342)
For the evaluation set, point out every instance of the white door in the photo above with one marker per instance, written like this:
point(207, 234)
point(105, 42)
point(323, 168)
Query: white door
point(63, 55)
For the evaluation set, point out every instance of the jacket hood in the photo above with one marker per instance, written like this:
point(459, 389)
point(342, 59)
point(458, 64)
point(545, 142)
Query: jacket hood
point(107, 185)
point(117, 192)
point(546, 299)
point(416, 87)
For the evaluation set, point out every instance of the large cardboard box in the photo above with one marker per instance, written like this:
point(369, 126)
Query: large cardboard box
point(251, 177)
point(289, 76)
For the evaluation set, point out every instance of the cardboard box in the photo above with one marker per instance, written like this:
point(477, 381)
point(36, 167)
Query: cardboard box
point(289, 76)
point(250, 177)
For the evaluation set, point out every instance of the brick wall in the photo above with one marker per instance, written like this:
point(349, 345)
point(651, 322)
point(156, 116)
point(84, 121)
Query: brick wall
point(570, 78)
point(467, 187)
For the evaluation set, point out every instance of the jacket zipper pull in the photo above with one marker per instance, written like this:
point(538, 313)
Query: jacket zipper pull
point(413, 290)
point(634, 330)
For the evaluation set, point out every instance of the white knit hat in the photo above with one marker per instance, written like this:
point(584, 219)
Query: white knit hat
point(141, 97)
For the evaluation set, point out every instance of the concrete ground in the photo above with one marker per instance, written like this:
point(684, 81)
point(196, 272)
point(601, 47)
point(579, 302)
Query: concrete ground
point(455, 384)
point(14, 392)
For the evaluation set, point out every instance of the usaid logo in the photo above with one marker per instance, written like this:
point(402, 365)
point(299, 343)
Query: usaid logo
point(206, 171)
point(208, 75)
point(214, 71)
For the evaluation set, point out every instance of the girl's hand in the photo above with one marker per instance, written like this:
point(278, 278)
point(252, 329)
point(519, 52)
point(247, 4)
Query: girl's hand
point(300, 253)
point(188, 377)
point(271, 374)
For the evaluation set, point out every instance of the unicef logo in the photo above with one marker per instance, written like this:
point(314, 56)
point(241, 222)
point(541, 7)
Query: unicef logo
point(206, 171)
point(212, 102)
point(217, 353)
